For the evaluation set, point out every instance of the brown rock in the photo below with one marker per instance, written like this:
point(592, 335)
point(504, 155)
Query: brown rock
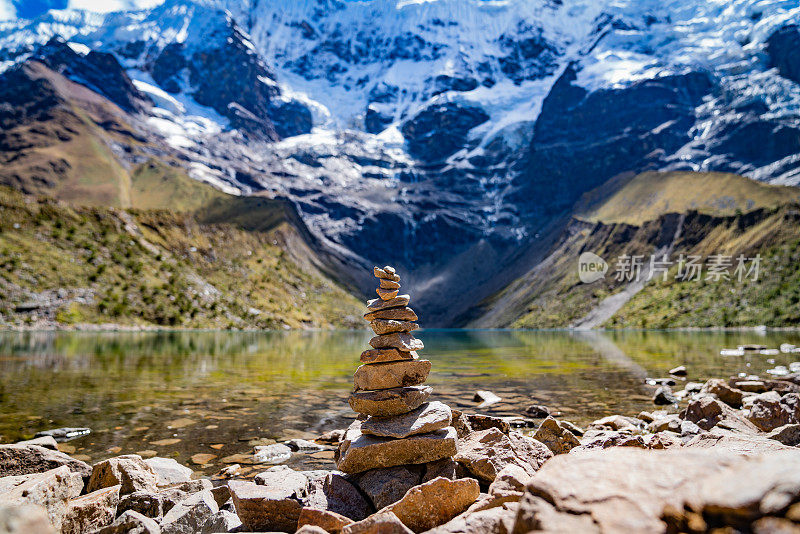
point(487, 452)
point(395, 314)
point(429, 417)
point(398, 340)
point(334, 493)
point(494, 520)
point(51, 490)
point(20, 459)
point(387, 402)
point(786, 434)
point(557, 439)
point(359, 452)
point(736, 442)
point(723, 392)
point(511, 480)
point(389, 284)
point(380, 304)
point(131, 522)
point(391, 375)
point(263, 508)
point(707, 412)
point(311, 529)
point(387, 355)
point(434, 503)
point(446, 467)
point(387, 486)
point(91, 512)
point(614, 422)
point(770, 411)
point(603, 439)
point(129, 471)
point(330, 522)
point(386, 294)
point(48, 442)
point(25, 519)
point(478, 422)
point(189, 515)
point(381, 523)
point(384, 275)
point(387, 326)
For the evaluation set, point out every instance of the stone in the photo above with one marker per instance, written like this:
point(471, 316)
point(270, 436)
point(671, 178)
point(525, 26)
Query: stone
point(48, 442)
point(478, 421)
point(222, 494)
point(285, 479)
point(664, 440)
point(664, 396)
point(398, 340)
point(434, 503)
point(335, 493)
point(302, 445)
point(146, 503)
point(511, 480)
point(495, 520)
point(387, 355)
point(391, 375)
point(786, 434)
point(555, 437)
point(388, 284)
point(707, 412)
point(724, 392)
point(129, 471)
point(189, 515)
point(383, 275)
point(169, 471)
point(91, 512)
point(380, 523)
point(387, 294)
point(725, 440)
point(395, 314)
point(678, 371)
point(64, 434)
point(130, 522)
point(387, 486)
point(537, 411)
point(485, 398)
point(387, 326)
point(24, 519)
point(429, 417)
point(614, 422)
point(272, 454)
point(202, 458)
point(51, 490)
point(380, 304)
point(331, 437)
point(330, 522)
point(603, 439)
point(446, 467)
point(572, 427)
point(222, 521)
point(750, 386)
point(26, 459)
point(265, 508)
point(311, 529)
point(359, 452)
point(770, 410)
point(487, 452)
point(671, 422)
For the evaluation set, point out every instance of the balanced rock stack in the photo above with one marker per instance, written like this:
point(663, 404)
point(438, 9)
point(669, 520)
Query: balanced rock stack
point(397, 425)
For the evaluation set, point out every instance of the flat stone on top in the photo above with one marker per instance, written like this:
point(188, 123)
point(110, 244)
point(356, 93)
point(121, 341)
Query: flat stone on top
point(379, 304)
point(398, 340)
point(429, 417)
point(387, 355)
point(384, 326)
point(397, 314)
point(359, 452)
point(387, 402)
point(381, 273)
point(391, 375)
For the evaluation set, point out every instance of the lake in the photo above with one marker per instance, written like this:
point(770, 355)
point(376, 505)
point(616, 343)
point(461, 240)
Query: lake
point(180, 393)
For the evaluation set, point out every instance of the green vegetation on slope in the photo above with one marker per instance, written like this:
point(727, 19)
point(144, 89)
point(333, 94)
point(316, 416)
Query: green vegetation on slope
point(156, 268)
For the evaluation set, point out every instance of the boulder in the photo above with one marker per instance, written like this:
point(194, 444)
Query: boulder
point(446, 467)
point(394, 314)
point(664, 396)
point(387, 355)
point(189, 515)
point(222, 521)
point(149, 504)
point(48, 442)
point(387, 402)
point(735, 442)
point(129, 471)
point(265, 508)
point(381, 523)
point(285, 479)
point(398, 340)
point(510, 481)
point(724, 392)
point(24, 519)
point(391, 375)
point(23, 459)
point(786, 434)
point(91, 512)
point(770, 411)
point(555, 437)
point(435, 502)
point(51, 490)
point(387, 486)
point(486, 453)
point(311, 529)
point(335, 493)
point(169, 471)
point(707, 412)
point(272, 454)
point(615, 422)
point(390, 326)
point(429, 417)
point(330, 522)
point(131, 522)
point(359, 452)
point(477, 422)
point(671, 422)
point(603, 439)
point(495, 520)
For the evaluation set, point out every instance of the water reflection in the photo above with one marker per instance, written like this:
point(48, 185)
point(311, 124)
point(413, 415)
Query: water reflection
point(136, 390)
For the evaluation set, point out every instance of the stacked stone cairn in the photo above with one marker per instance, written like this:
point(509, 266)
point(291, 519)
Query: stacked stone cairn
point(397, 424)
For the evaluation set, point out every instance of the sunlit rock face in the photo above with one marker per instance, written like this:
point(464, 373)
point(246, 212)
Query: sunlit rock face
point(446, 133)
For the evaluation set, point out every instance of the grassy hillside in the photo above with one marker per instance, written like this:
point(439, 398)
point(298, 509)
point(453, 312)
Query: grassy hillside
point(76, 265)
point(716, 214)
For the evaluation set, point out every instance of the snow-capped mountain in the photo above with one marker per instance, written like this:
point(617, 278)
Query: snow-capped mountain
point(444, 132)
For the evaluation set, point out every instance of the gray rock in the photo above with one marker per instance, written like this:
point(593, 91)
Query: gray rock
point(429, 417)
point(263, 508)
point(486, 453)
point(169, 471)
point(91, 512)
point(64, 434)
point(303, 445)
point(222, 521)
point(189, 515)
point(48, 442)
point(146, 503)
point(380, 523)
point(129, 471)
point(272, 454)
point(387, 486)
point(26, 459)
point(786, 434)
point(708, 412)
point(537, 411)
point(337, 494)
point(664, 396)
point(284, 479)
point(52, 490)
point(24, 519)
point(131, 522)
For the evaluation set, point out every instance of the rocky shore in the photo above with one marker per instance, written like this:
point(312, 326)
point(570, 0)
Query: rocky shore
point(719, 456)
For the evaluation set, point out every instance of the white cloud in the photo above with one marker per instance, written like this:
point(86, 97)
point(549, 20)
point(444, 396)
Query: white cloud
point(7, 10)
point(104, 6)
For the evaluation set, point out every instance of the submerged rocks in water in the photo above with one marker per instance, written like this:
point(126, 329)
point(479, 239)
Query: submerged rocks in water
point(64, 434)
